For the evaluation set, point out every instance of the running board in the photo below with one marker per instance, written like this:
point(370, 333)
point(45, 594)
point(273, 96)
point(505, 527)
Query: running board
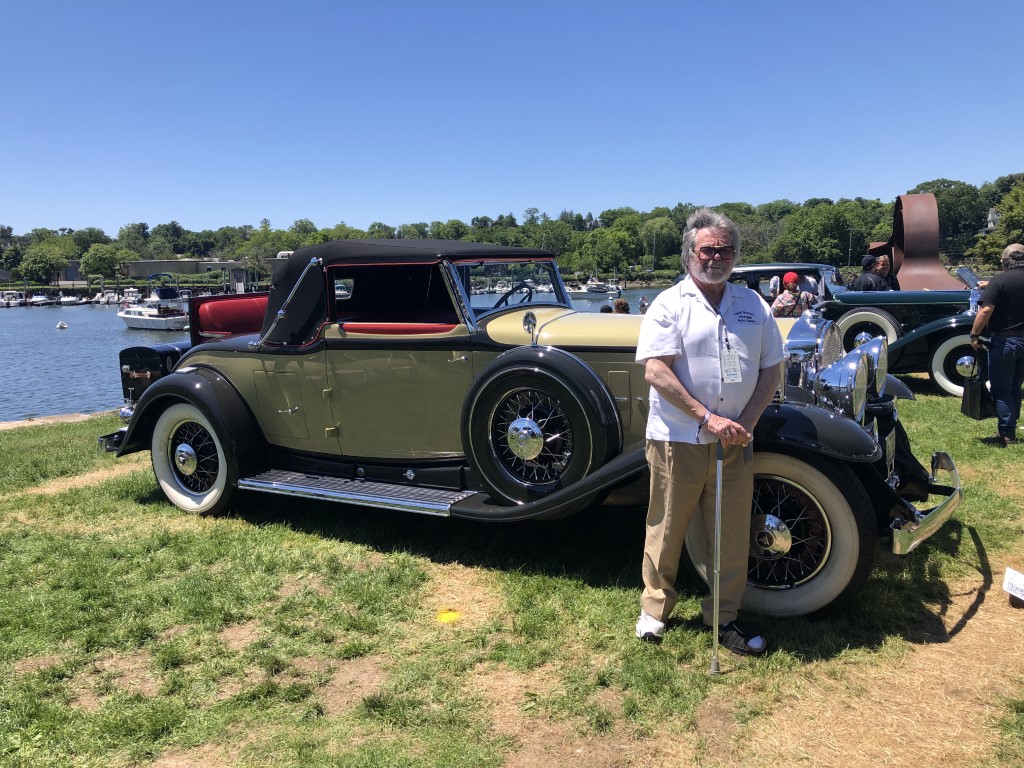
point(405, 498)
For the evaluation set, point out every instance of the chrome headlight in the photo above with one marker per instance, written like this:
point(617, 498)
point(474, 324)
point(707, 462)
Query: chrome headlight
point(877, 352)
point(844, 385)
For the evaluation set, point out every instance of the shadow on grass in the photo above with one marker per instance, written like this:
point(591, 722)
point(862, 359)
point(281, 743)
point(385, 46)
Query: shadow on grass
point(601, 547)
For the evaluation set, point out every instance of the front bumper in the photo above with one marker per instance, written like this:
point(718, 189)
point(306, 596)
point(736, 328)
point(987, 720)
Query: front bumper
point(908, 533)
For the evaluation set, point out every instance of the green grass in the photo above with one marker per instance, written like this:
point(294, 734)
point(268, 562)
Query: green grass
point(129, 630)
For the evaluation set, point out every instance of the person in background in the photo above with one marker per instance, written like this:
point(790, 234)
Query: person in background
point(884, 270)
point(869, 279)
point(607, 308)
point(1001, 310)
point(644, 304)
point(711, 352)
point(792, 302)
point(620, 307)
point(806, 282)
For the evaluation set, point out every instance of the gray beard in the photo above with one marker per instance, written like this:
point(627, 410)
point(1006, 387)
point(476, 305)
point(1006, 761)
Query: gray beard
point(708, 275)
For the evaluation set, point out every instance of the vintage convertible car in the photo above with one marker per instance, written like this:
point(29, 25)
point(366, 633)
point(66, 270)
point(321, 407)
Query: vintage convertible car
point(435, 377)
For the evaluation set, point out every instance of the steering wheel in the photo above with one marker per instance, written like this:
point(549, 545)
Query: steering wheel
point(507, 296)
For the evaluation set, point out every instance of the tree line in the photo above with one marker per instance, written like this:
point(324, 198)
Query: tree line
point(623, 240)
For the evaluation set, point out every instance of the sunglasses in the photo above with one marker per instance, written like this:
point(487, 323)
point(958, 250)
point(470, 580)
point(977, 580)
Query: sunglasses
point(725, 252)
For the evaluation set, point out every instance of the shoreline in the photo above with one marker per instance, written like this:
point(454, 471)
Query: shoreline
point(67, 418)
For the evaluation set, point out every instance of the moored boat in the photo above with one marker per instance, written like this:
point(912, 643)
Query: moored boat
point(162, 310)
point(12, 299)
point(40, 300)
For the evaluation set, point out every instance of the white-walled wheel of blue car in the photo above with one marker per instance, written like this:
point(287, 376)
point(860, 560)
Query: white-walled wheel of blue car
point(189, 461)
point(942, 368)
point(870, 320)
point(812, 536)
point(530, 429)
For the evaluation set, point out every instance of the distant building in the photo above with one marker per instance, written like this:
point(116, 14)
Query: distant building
point(991, 221)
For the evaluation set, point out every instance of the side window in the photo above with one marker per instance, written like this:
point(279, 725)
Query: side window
point(392, 294)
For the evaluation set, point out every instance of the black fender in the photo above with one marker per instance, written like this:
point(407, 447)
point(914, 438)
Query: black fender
point(208, 391)
point(909, 350)
point(798, 426)
point(625, 466)
point(568, 365)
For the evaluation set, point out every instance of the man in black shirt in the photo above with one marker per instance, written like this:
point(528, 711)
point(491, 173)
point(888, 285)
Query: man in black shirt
point(1001, 308)
point(869, 279)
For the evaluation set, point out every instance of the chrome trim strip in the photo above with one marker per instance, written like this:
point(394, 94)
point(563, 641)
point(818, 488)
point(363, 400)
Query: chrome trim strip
point(906, 535)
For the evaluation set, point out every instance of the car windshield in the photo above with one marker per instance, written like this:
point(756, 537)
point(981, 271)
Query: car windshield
point(495, 286)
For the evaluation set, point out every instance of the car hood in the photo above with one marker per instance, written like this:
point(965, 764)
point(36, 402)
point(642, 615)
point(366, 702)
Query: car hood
point(566, 327)
point(571, 328)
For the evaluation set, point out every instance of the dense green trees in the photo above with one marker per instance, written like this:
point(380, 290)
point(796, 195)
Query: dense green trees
point(623, 239)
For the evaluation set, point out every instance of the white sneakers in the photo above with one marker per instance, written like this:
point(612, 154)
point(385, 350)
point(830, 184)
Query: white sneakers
point(649, 628)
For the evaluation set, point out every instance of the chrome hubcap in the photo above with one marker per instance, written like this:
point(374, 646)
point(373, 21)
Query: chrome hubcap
point(770, 537)
point(185, 459)
point(525, 439)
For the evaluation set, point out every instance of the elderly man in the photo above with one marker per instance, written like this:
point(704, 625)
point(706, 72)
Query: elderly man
point(1001, 309)
point(711, 352)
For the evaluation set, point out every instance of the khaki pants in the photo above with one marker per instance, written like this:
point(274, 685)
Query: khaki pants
point(682, 482)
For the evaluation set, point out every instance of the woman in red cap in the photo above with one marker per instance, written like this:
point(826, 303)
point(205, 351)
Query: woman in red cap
point(791, 301)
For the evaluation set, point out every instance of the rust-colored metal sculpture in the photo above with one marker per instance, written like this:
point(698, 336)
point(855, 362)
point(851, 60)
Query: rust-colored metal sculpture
point(913, 249)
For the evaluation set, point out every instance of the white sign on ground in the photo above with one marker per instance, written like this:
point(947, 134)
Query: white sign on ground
point(1013, 582)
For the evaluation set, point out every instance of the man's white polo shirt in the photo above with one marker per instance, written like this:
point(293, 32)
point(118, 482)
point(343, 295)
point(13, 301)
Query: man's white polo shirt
point(682, 324)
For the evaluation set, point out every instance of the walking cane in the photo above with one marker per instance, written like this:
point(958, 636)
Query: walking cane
point(715, 669)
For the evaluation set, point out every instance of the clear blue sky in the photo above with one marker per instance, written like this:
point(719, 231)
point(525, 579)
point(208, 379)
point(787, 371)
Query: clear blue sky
point(224, 113)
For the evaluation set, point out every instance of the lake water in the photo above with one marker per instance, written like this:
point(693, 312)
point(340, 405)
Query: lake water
point(50, 372)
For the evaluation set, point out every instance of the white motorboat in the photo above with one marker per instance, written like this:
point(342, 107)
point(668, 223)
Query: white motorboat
point(40, 300)
point(163, 310)
point(575, 290)
point(13, 299)
point(68, 301)
point(106, 297)
point(131, 296)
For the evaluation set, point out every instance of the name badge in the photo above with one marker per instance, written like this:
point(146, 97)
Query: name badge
point(731, 367)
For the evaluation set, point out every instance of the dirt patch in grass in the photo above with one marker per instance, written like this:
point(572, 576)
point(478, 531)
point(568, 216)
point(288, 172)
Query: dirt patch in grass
point(239, 636)
point(461, 597)
point(32, 664)
point(295, 584)
point(938, 700)
point(127, 672)
point(511, 697)
point(122, 467)
point(352, 681)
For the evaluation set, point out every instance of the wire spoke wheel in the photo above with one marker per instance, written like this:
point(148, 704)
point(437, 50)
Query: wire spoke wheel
point(196, 462)
point(189, 460)
point(790, 536)
point(531, 436)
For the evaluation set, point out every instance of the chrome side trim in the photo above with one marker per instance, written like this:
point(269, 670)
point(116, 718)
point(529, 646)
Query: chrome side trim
point(404, 498)
point(907, 534)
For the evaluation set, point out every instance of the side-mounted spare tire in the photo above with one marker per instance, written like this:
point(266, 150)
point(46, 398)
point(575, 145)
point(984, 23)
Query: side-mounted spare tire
point(535, 421)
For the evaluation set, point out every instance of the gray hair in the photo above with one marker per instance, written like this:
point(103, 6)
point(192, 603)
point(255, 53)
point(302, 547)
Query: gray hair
point(705, 218)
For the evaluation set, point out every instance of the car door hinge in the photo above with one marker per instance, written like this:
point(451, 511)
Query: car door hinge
point(331, 432)
point(328, 393)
